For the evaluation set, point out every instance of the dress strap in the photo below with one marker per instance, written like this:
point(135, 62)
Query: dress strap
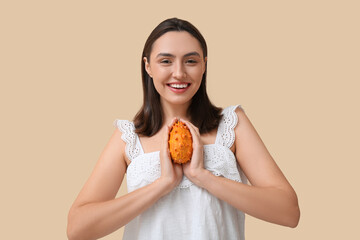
point(226, 134)
point(133, 147)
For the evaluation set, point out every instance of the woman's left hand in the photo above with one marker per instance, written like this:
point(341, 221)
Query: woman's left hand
point(194, 169)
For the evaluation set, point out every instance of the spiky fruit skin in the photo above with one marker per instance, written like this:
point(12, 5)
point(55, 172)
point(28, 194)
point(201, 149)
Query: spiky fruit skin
point(180, 143)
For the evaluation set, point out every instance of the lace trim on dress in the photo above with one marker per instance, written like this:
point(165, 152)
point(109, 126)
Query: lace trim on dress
point(185, 183)
point(129, 136)
point(226, 133)
point(144, 170)
point(221, 162)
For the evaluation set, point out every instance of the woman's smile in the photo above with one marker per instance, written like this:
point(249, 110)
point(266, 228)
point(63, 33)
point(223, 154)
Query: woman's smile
point(178, 87)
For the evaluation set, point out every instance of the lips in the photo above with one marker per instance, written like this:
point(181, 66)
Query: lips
point(178, 87)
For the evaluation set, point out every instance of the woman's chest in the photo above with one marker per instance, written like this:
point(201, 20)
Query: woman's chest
point(146, 168)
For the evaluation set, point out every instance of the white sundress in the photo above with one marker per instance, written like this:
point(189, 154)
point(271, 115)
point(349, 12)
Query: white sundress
point(188, 212)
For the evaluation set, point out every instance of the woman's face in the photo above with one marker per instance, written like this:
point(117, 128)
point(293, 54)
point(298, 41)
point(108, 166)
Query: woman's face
point(176, 66)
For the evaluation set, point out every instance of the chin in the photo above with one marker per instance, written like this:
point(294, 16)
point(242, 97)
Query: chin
point(178, 101)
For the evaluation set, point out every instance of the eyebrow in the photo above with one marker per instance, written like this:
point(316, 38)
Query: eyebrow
point(171, 55)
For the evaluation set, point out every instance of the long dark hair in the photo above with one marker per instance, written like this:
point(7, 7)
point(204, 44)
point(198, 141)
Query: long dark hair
point(203, 114)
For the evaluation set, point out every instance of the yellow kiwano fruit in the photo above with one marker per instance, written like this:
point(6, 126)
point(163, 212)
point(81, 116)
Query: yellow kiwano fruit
point(180, 143)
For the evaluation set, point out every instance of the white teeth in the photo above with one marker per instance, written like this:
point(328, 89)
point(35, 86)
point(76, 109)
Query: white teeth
point(179, 85)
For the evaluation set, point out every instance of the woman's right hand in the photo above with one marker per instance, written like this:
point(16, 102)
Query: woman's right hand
point(171, 173)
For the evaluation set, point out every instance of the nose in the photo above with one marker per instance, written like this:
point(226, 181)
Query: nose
point(179, 70)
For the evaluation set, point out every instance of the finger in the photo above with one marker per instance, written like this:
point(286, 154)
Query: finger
point(171, 124)
point(190, 125)
point(195, 135)
point(175, 119)
point(165, 143)
point(193, 130)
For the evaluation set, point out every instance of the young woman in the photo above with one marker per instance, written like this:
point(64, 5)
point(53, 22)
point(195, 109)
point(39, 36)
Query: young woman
point(205, 198)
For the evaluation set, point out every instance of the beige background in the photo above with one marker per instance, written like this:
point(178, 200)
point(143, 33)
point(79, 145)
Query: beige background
point(68, 69)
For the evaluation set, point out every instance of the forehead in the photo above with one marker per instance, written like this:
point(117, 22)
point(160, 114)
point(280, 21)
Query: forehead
point(177, 43)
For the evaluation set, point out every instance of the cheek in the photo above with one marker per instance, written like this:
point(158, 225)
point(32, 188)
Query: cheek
point(196, 74)
point(158, 69)
point(159, 78)
point(157, 83)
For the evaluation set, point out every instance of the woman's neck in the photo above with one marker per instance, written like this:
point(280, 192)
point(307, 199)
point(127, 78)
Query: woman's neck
point(171, 111)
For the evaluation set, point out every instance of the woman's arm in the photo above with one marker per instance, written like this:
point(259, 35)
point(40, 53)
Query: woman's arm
point(270, 197)
point(96, 213)
point(272, 204)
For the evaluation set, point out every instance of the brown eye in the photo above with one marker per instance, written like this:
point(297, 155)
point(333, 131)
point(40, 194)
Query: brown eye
point(165, 61)
point(191, 61)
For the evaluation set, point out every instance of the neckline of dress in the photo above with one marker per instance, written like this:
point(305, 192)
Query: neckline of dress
point(217, 136)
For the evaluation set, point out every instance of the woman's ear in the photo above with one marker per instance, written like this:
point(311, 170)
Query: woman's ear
point(147, 66)
point(204, 66)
